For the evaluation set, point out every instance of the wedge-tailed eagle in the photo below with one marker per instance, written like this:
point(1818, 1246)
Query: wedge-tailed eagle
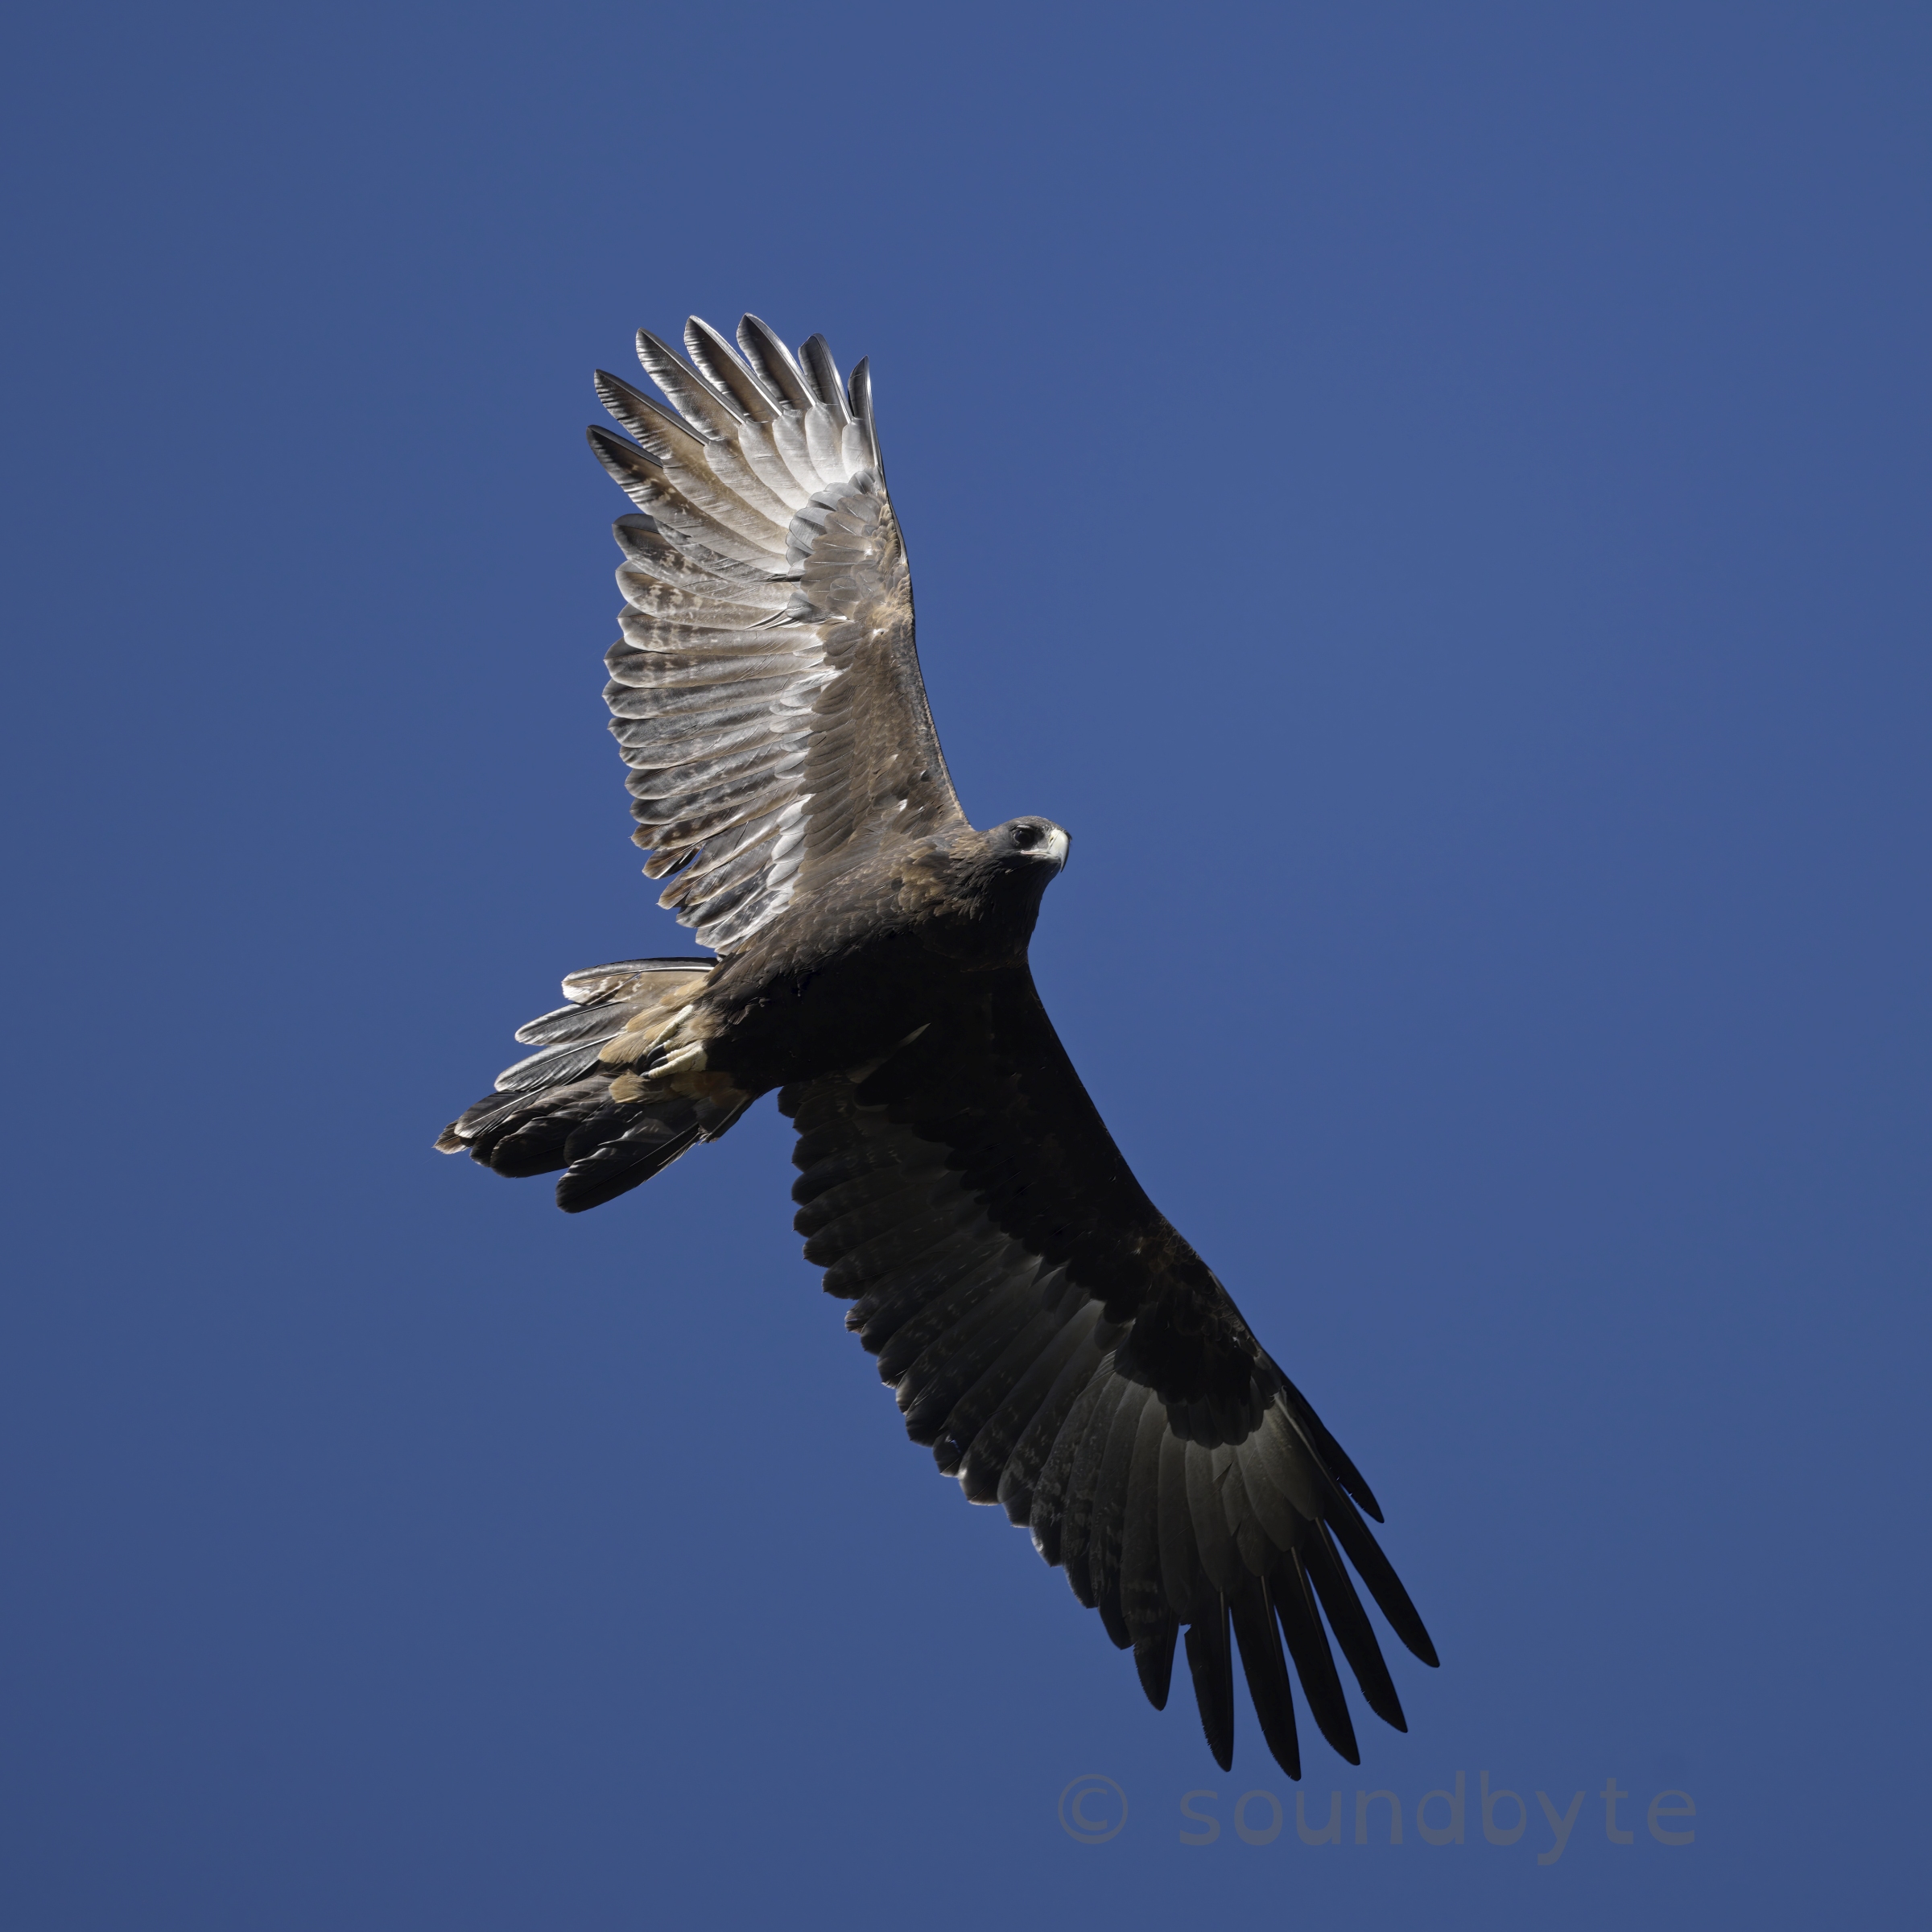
point(1052, 1338)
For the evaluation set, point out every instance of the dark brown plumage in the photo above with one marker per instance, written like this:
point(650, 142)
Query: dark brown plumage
point(1051, 1337)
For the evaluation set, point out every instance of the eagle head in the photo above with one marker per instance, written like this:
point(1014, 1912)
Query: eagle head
point(1023, 843)
point(989, 888)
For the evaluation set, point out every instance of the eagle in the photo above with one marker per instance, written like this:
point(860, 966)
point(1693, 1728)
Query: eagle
point(1050, 1335)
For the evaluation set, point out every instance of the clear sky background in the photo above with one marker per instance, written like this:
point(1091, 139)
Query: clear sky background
point(1434, 497)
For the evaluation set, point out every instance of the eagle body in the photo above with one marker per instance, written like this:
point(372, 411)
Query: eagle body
point(1062, 1349)
point(840, 983)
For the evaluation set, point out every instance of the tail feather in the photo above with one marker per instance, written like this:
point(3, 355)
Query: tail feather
point(532, 1136)
point(555, 1110)
point(650, 1141)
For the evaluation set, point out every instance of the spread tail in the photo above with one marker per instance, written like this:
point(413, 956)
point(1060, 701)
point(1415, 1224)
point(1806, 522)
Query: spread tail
point(602, 1099)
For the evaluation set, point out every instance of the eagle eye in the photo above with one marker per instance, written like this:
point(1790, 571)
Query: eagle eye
point(1027, 837)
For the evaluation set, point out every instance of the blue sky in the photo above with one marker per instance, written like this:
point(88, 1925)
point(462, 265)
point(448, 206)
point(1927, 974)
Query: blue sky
point(1433, 498)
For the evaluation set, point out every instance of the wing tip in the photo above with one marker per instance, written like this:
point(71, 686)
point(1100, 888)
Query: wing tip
point(1153, 1661)
point(822, 373)
point(859, 388)
point(765, 353)
point(1211, 1665)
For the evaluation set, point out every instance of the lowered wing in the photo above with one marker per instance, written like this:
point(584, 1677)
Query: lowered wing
point(767, 693)
point(1065, 1353)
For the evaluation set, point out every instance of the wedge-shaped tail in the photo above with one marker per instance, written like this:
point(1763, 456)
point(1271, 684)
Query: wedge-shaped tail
point(589, 1101)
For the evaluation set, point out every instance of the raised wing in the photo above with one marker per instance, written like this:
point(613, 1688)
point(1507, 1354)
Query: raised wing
point(1065, 1353)
point(767, 693)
